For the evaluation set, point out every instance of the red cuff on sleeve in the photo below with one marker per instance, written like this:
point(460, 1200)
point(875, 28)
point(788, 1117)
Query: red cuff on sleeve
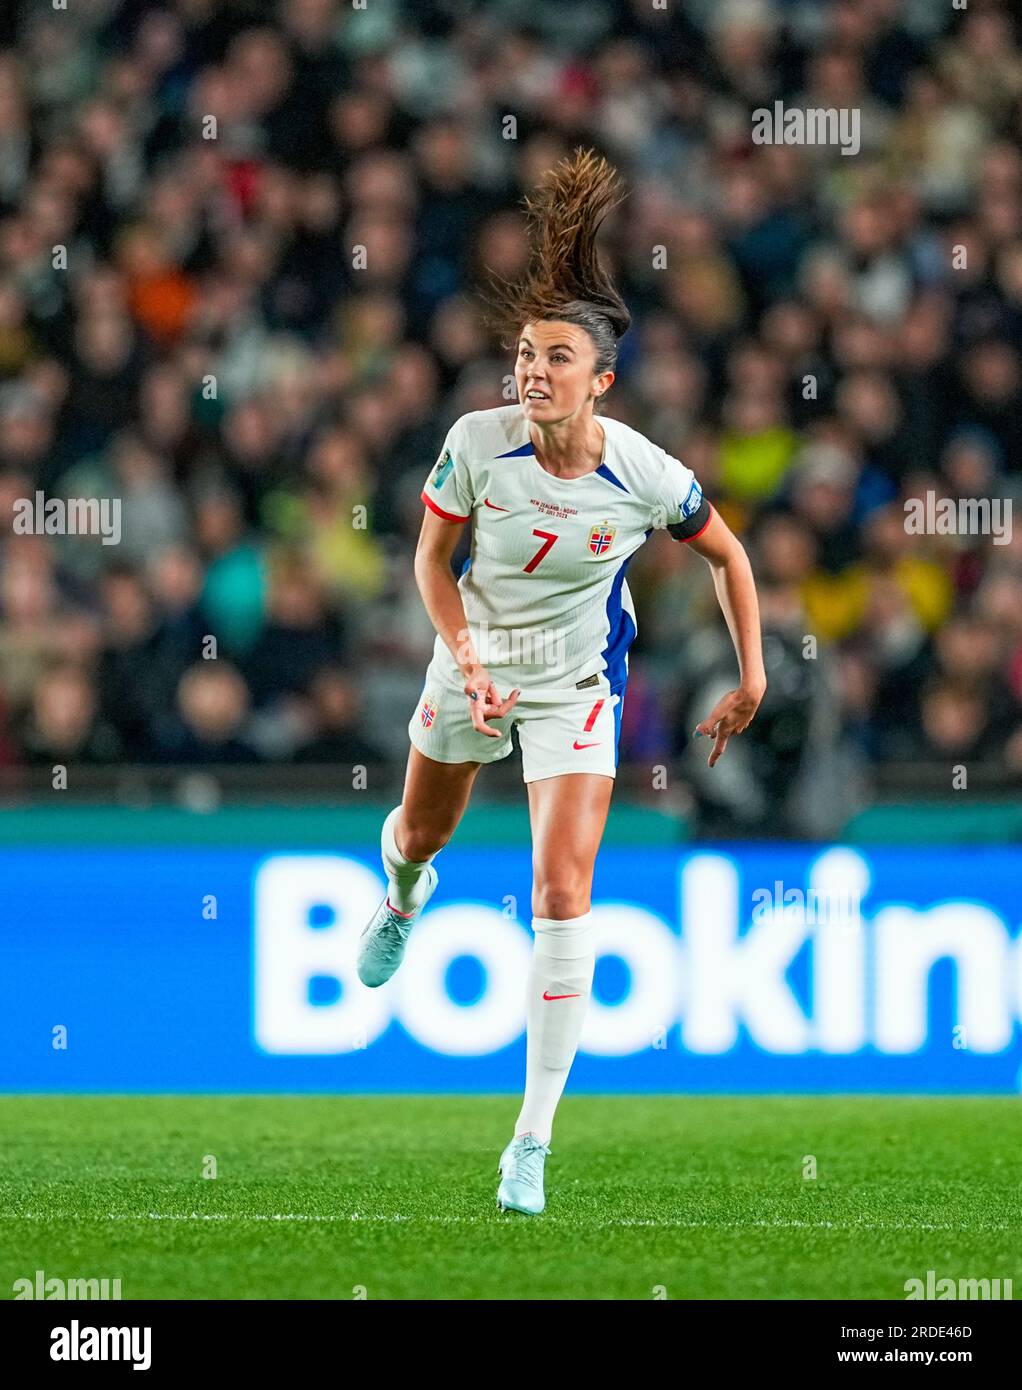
point(447, 516)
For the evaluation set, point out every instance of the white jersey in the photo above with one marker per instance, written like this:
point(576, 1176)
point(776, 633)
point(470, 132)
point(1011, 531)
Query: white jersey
point(544, 587)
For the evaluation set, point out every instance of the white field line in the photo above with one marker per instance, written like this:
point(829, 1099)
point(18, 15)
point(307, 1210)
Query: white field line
point(573, 1222)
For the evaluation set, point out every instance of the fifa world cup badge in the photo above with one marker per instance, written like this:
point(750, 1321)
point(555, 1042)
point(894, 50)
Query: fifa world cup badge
point(444, 464)
point(601, 537)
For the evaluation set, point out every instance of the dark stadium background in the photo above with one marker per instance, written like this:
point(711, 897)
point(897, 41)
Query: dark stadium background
point(192, 259)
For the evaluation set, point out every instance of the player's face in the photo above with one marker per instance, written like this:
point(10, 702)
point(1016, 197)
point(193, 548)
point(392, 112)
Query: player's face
point(555, 373)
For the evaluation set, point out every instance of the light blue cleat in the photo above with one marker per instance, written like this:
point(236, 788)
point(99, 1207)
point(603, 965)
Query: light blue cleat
point(521, 1170)
point(382, 943)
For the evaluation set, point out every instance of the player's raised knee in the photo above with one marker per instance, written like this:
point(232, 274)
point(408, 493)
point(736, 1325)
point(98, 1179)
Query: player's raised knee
point(422, 841)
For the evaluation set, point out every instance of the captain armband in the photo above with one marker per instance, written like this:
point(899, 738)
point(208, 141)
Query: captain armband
point(692, 526)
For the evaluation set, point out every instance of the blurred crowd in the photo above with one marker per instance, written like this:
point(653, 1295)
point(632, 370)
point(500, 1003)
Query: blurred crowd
point(276, 218)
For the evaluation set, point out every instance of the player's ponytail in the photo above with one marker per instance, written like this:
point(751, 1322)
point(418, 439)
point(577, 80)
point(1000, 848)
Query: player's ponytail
point(565, 279)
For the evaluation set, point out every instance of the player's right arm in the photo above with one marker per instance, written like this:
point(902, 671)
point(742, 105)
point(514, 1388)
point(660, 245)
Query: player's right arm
point(438, 540)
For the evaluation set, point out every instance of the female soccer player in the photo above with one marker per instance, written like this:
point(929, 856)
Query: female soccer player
point(536, 631)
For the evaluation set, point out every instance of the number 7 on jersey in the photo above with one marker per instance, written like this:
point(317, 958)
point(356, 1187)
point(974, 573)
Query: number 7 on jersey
point(548, 538)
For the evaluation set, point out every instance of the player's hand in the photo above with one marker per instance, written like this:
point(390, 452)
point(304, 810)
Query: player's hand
point(484, 702)
point(731, 715)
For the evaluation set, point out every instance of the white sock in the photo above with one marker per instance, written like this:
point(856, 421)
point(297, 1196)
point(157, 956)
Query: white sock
point(560, 981)
point(407, 877)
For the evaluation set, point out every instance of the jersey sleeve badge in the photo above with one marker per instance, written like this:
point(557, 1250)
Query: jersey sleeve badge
point(441, 472)
point(693, 501)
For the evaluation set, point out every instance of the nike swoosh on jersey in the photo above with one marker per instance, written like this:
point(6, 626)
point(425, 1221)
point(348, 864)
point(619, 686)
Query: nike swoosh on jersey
point(488, 503)
point(560, 996)
point(576, 744)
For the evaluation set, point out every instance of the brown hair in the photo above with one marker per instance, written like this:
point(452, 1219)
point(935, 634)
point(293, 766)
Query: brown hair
point(565, 280)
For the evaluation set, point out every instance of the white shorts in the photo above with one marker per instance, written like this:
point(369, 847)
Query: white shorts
point(574, 736)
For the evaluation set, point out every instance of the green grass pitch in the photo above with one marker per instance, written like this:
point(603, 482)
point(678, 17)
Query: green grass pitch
point(325, 1196)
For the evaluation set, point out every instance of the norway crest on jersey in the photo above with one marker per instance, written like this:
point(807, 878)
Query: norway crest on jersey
point(601, 538)
point(427, 711)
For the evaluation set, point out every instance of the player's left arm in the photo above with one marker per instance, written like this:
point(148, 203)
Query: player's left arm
point(736, 594)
